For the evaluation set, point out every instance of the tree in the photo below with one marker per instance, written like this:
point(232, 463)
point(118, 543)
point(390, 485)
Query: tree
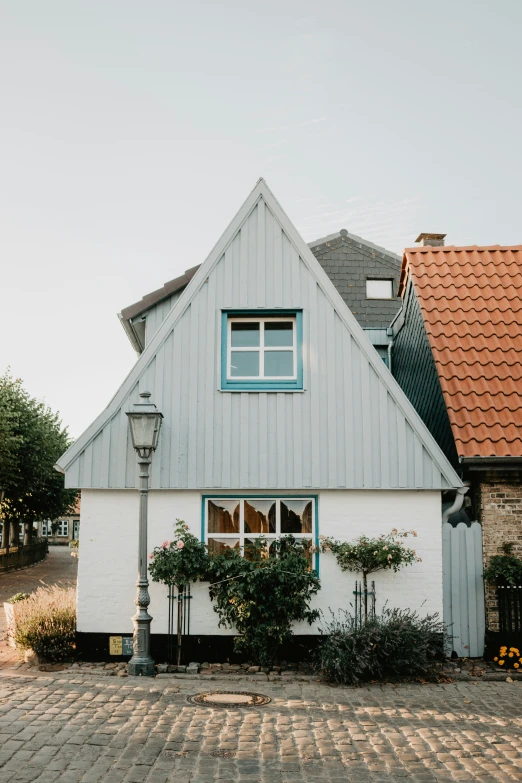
point(369, 555)
point(32, 438)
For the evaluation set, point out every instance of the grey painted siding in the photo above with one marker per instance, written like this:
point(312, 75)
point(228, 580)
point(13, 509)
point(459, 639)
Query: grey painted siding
point(348, 429)
point(349, 264)
point(414, 369)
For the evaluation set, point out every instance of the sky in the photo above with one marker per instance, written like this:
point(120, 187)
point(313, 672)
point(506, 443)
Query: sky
point(131, 133)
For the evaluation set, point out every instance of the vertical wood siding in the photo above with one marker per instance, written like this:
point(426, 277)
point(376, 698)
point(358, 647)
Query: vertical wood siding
point(345, 429)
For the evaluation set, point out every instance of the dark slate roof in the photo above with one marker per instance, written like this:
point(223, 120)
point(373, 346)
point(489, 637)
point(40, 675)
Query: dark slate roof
point(346, 258)
point(349, 261)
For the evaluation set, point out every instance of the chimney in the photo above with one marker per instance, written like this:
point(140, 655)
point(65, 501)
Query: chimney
point(431, 240)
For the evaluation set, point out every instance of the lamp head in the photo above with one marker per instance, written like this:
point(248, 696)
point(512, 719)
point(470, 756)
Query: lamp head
point(145, 423)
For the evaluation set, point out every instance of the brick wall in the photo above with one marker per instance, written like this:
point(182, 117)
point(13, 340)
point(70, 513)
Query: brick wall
point(500, 508)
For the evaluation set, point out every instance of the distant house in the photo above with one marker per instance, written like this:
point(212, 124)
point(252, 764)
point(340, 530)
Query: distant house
point(62, 530)
point(279, 417)
point(457, 350)
point(366, 276)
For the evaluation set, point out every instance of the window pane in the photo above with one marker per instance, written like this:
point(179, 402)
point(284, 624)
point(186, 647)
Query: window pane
point(245, 334)
point(379, 289)
point(244, 364)
point(260, 516)
point(279, 333)
point(296, 516)
point(279, 363)
point(223, 516)
point(218, 546)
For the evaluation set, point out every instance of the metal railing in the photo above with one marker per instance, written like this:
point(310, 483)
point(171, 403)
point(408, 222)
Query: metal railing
point(22, 556)
point(509, 598)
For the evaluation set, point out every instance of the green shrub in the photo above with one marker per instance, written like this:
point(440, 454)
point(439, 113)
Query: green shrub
point(504, 568)
point(397, 643)
point(46, 623)
point(262, 596)
point(18, 597)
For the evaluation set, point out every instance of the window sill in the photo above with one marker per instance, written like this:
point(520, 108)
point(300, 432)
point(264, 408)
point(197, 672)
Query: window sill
point(260, 388)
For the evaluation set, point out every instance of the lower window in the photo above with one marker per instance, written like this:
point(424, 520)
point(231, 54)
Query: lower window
point(63, 528)
point(235, 523)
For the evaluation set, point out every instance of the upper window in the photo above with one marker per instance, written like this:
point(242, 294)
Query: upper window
point(262, 352)
point(379, 289)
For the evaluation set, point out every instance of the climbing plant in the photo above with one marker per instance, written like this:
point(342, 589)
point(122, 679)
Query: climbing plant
point(261, 596)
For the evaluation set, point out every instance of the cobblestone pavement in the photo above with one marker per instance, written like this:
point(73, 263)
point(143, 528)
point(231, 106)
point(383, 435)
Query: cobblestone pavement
point(58, 566)
point(69, 728)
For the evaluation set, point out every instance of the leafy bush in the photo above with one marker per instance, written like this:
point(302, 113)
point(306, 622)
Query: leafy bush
point(46, 623)
point(18, 597)
point(504, 568)
point(397, 643)
point(262, 596)
point(180, 561)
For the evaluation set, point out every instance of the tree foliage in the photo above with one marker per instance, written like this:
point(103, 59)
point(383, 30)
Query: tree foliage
point(32, 439)
point(262, 596)
point(504, 568)
point(369, 555)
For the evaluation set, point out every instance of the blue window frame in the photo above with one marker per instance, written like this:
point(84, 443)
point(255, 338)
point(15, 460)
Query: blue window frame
point(262, 350)
point(233, 521)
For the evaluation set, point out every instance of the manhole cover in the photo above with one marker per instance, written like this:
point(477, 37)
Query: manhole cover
point(229, 699)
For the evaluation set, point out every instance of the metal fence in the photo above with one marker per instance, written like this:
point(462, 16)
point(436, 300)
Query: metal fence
point(179, 621)
point(364, 602)
point(22, 556)
point(509, 599)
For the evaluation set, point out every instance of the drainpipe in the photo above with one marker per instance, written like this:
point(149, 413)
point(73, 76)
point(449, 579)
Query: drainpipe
point(390, 346)
point(457, 504)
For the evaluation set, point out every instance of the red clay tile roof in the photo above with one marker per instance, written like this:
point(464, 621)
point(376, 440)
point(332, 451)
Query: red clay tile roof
point(471, 302)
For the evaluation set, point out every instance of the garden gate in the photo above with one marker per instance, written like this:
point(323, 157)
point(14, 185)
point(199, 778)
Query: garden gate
point(463, 588)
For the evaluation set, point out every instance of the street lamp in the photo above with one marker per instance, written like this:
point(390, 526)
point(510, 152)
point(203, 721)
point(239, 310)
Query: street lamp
point(145, 423)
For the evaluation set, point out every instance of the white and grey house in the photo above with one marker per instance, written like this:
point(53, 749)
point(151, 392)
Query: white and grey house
point(279, 417)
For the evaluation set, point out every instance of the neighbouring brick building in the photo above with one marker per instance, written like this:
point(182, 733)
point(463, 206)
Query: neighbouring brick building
point(457, 349)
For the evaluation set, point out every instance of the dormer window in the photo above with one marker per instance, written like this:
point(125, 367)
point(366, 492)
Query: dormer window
point(262, 351)
point(379, 289)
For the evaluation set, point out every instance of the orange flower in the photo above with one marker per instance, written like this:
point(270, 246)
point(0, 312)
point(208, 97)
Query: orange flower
point(501, 663)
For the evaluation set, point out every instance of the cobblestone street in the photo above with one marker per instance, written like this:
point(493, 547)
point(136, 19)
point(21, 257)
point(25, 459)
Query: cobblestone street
point(70, 728)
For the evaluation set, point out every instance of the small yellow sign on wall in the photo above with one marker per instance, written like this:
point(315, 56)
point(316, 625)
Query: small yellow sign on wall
point(115, 645)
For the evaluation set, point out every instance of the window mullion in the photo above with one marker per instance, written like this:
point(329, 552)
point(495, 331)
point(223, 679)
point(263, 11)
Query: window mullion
point(262, 349)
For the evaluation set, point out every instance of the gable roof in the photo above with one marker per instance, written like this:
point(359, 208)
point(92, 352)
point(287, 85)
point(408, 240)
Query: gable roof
point(355, 426)
point(471, 303)
point(341, 273)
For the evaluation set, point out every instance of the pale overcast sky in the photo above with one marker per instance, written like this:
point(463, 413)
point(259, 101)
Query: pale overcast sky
point(131, 132)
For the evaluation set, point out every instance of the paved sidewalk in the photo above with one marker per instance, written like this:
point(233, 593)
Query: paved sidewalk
point(58, 567)
point(70, 728)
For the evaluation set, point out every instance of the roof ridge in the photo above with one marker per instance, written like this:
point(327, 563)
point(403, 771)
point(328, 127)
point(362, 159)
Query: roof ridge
point(344, 233)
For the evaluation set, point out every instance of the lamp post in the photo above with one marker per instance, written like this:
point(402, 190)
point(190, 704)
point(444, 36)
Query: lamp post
point(145, 423)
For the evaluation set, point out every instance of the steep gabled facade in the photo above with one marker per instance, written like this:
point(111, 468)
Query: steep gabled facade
point(273, 399)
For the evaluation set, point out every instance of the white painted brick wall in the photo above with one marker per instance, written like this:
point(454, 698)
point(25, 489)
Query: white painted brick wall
point(108, 554)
